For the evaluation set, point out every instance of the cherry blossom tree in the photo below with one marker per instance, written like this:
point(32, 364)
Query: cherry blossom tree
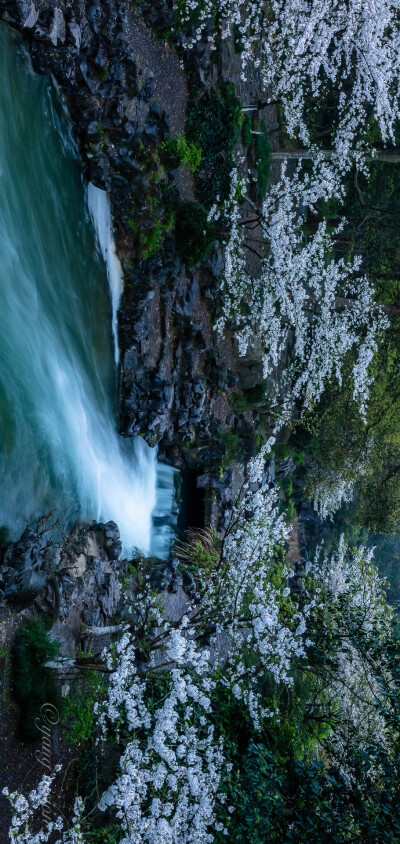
point(247, 624)
point(348, 46)
point(301, 298)
point(305, 48)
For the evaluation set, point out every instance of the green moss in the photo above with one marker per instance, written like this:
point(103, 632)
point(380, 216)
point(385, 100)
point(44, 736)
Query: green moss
point(249, 399)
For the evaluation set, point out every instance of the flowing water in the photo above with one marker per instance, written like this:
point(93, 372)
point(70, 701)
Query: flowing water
point(59, 447)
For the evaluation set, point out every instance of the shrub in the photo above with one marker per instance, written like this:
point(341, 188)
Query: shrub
point(213, 123)
point(193, 233)
point(250, 399)
point(181, 151)
point(231, 441)
point(78, 710)
point(32, 685)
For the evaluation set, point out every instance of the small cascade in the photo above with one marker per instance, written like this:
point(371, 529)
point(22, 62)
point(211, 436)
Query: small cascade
point(165, 514)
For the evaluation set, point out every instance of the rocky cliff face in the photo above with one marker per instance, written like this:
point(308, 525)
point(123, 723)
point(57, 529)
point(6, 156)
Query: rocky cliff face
point(125, 93)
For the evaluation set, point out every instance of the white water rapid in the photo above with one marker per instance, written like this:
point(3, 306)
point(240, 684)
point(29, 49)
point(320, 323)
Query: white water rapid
point(99, 208)
point(59, 446)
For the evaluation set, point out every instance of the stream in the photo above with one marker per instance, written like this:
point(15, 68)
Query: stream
point(59, 289)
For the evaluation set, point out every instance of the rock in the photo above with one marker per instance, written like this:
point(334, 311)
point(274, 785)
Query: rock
point(22, 587)
point(189, 584)
point(169, 392)
point(32, 17)
point(115, 550)
point(57, 30)
point(147, 89)
point(206, 481)
point(111, 532)
point(76, 35)
point(106, 89)
point(93, 14)
point(150, 130)
point(26, 553)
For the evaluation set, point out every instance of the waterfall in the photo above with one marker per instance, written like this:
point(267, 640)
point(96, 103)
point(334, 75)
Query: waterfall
point(99, 208)
point(59, 446)
point(165, 513)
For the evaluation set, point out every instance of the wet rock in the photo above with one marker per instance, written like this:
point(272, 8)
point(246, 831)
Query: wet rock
point(57, 32)
point(76, 35)
point(22, 587)
point(111, 532)
point(26, 553)
point(32, 17)
point(112, 540)
point(189, 584)
point(115, 550)
point(147, 89)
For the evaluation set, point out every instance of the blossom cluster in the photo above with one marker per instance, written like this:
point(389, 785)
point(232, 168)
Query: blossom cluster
point(171, 770)
point(332, 487)
point(25, 810)
point(353, 594)
point(303, 302)
point(248, 594)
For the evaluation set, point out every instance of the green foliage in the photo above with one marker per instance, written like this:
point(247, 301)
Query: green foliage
point(366, 456)
point(372, 212)
point(105, 835)
point(337, 440)
point(32, 685)
point(193, 233)
point(78, 708)
point(181, 151)
point(152, 239)
point(213, 123)
point(249, 399)
point(263, 150)
point(198, 552)
point(231, 441)
point(157, 688)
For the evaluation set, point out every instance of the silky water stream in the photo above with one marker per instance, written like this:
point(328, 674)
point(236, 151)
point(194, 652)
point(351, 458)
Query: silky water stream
point(59, 289)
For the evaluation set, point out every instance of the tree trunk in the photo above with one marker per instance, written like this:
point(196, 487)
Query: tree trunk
point(341, 303)
point(388, 156)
